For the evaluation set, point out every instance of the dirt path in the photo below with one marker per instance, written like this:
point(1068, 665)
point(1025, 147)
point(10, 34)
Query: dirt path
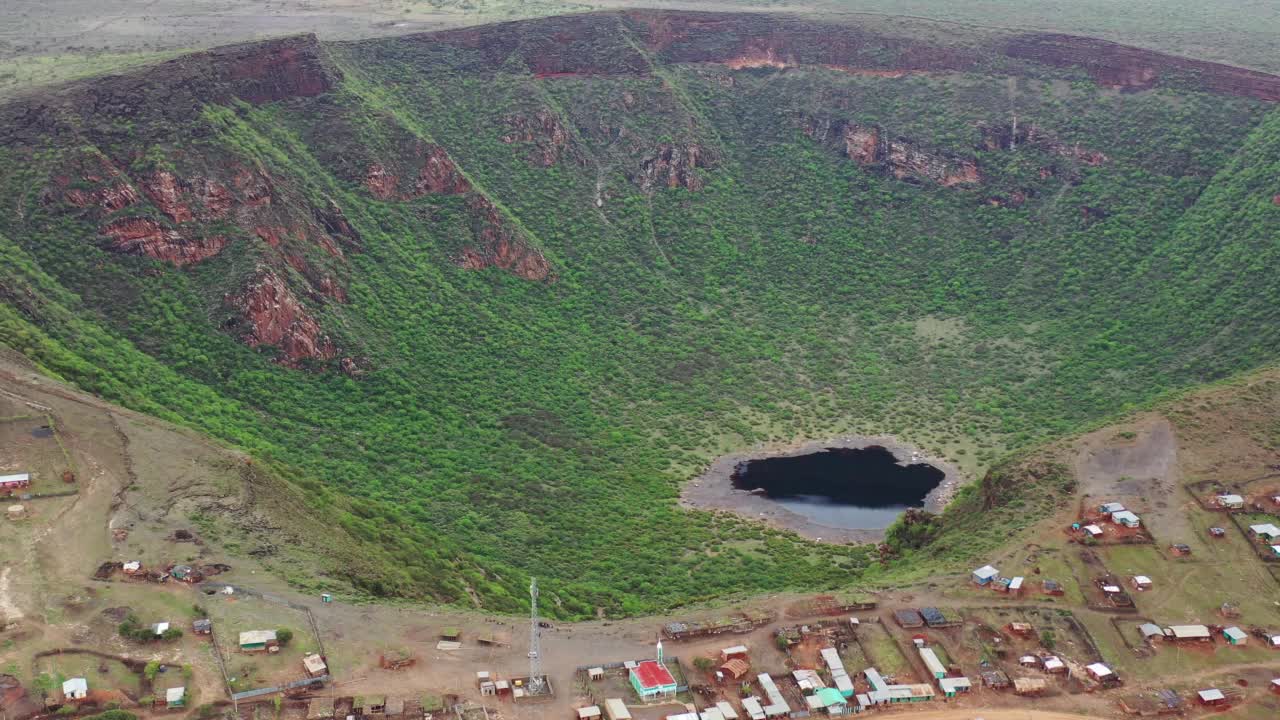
point(999, 715)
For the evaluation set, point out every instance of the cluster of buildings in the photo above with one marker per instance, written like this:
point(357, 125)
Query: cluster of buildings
point(989, 576)
point(76, 690)
point(1203, 634)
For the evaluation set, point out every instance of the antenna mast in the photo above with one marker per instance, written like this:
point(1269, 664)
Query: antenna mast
point(537, 682)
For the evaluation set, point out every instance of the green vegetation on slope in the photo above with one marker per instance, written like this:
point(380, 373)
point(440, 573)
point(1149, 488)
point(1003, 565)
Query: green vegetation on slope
point(507, 427)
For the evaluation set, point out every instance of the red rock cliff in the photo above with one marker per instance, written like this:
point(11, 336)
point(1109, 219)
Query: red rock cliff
point(271, 315)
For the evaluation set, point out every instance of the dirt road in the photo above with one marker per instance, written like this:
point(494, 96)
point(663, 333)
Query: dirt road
point(999, 715)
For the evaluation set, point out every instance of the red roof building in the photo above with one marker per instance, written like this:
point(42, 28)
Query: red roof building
point(651, 678)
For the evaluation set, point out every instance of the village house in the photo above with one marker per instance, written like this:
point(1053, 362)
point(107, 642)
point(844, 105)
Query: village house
point(259, 640)
point(1141, 582)
point(10, 483)
point(1110, 508)
point(778, 706)
point(133, 567)
point(75, 689)
point(953, 686)
point(1217, 532)
point(1212, 696)
point(1093, 531)
point(1100, 672)
point(995, 679)
point(931, 662)
point(1235, 636)
point(1015, 585)
point(1052, 587)
point(175, 698)
point(829, 700)
point(737, 651)
point(1029, 686)
point(1196, 633)
point(314, 665)
point(160, 628)
point(1230, 501)
point(590, 712)
point(935, 618)
point(839, 676)
point(1054, 664)
point(734, 669)
point(985, 574)
point(908, 618)
point(615, 709)
point(1267, 531)
point(203, 626)
point(1126, 518)
point(1021, 629)
point(1150, 630)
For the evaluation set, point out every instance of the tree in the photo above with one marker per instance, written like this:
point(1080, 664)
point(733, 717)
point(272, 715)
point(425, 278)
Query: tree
point(1047, 639)
point(151, 670)
point(283, 636)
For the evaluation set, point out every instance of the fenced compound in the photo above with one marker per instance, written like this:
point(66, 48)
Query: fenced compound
point(219, 654)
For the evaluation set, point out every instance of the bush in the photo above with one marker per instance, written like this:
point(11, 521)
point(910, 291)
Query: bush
point(151, 670)
point(172, 633)
point(113, 715)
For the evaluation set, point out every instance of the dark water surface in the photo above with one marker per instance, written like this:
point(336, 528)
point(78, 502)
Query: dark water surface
point(857, 488)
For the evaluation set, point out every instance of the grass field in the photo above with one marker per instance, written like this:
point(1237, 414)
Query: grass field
point(884, 652)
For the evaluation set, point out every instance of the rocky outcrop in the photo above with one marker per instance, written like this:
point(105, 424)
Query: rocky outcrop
point(184, 201)
point(543, 131)
point(1010, 137)
point(870, 146)
point(145, 236)
point(439, 174)
point(435, 174)
point(906, 162)
point(268, 314)
point(381, 182)
point(498, 245)
point(673, 166)
point(110, 198)
point(1132, 68)
point(335, 223)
